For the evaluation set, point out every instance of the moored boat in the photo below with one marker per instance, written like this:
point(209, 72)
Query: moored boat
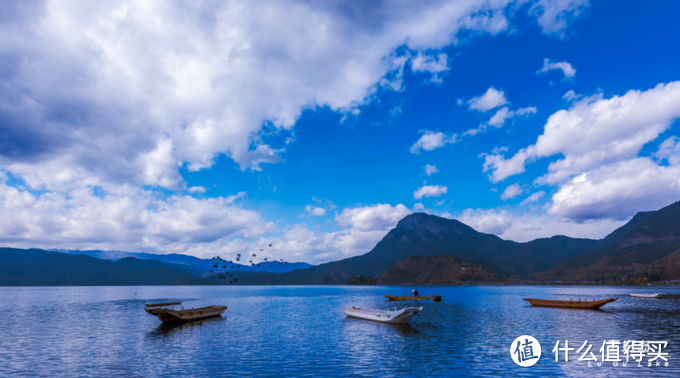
point(656, 296)
point(392, 298)
point(392, 317)
point(155, 308)
point(570, 303)
point(167, 315)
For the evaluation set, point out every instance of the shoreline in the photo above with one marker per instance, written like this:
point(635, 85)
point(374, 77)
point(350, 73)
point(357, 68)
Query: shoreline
point(374, 285)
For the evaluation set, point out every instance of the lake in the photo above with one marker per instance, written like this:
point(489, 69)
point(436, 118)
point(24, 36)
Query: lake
point(298, 331)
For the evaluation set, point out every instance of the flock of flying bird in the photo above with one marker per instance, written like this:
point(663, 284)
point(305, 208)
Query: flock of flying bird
point(238, 259)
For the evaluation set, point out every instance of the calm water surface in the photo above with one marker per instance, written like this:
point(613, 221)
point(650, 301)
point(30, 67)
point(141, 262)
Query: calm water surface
point(301, 331)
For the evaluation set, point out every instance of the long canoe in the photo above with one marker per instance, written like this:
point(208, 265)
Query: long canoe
point(654, 296)
point(156, 308)
point(163, 304)
point(392, 298)
point(167, 315)
point(570, 303)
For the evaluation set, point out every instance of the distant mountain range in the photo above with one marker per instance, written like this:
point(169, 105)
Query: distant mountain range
point(204, 265)
point(647, 248)
point(35, 267)
point(427, 235)
point(422, 248)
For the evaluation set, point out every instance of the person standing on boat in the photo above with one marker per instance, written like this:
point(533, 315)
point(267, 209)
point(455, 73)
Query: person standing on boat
point(415, 293)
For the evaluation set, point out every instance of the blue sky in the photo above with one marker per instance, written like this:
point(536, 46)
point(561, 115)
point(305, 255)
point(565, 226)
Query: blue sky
point(221, 127)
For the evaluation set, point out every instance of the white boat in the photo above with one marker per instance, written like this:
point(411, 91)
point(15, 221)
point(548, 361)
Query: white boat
point(657, 295)
point(392, 317)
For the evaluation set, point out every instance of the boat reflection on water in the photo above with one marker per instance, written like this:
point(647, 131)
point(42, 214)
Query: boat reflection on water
point(567, 310)
point(406, 329)
point(168, 328)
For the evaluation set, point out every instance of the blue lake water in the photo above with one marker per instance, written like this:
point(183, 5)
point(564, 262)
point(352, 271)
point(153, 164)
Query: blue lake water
point(301, 331)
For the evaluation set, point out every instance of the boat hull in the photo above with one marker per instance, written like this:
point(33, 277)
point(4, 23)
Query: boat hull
point(182, 316)
point(388, 317)
point(392, 298)
point(156, 308)
point(570, 304)
point(652, 296)
point(154, 311)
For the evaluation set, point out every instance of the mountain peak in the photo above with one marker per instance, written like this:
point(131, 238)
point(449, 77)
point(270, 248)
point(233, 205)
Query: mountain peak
point(644, 225)
point(423, 222)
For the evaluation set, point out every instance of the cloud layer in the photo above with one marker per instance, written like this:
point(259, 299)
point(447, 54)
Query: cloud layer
point(529, 226)
point(129, 218)
point(104, 103)
point(125, 92)
point(618, 190)
point(599, 140)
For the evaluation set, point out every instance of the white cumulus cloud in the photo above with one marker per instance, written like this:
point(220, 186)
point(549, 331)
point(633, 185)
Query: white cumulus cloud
point(669, 150)
point(498, 119)
point(314, 211)
point(431, 64)
point(299, 243)
point(491, 99)
point(429, 191)
point(599, 173)
point(567, 69)
point(533, 225)
point(129, 219)
point(512, 191)
point(430, 169)
point(594, 132)
point(571, 95)
point(533, 198)
point(374, 217)
point(555, 15)
point(432, 140)
point(618, 190)
point(503, 168)
point(196, 189)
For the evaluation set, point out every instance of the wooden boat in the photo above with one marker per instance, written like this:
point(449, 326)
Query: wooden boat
point(392, 298)
point(656, 296)
point(155, 308)
point(170, 315)
point(570, 304)
point(392, 317)
point(167, 315)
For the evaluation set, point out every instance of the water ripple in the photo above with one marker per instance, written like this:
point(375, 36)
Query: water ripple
point(301, 332)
